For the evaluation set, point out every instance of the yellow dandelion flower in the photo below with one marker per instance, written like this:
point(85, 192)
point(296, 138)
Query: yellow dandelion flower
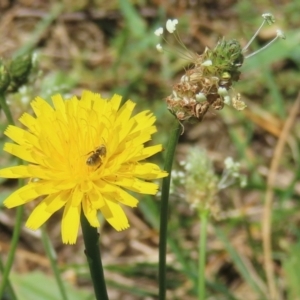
point(82, 154)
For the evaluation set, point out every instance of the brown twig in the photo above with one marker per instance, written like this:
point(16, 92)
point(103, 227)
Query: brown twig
point(267, 213)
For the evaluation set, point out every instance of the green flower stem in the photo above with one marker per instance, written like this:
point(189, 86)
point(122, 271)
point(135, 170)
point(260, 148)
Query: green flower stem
point(13, 247)
point(164, 210)
point(19, 215)
point(204, 214)
point(52, 257)
point(92, 252)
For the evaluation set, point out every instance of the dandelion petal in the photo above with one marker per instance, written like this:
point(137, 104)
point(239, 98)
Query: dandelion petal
point(118, 220)
point(70, 223)
point(90, 213)
point(26, 194)
point(15, 172)
point(42, 212)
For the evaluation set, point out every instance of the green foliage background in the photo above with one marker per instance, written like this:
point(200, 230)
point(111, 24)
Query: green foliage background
point(109, 47)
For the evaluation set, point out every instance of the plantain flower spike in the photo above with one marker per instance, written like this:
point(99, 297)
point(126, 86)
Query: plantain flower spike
point(208, 83)
point(198, 183)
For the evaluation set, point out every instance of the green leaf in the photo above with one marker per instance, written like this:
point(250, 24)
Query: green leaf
point(134, 21)
point(239, 263)
point(37, 286)
point(291, 266)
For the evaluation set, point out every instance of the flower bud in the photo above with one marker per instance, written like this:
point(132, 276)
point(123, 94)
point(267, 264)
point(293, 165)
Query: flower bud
point(19, 70)
point(4, 78)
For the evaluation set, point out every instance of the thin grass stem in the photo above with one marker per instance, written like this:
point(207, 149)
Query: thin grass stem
point(52, 258)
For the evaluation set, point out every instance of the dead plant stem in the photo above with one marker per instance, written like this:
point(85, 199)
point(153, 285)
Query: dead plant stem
point(267, 212)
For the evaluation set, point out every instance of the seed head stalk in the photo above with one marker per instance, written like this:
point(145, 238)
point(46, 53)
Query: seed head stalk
point(164, 210)
point(203, 216)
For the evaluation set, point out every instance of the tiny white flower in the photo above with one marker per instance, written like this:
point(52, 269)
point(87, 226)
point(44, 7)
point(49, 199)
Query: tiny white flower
point(188, 166)
point(266, 15)
point(269, 18)
point(23, 89)
point(159, 48)
point(181, 174)
point(182, 162)
point(200, 97)
point(174, 174)
point(171, 25)
point(159, 31)
point(184, 78)
point(228, 162)
point(207, 63)
point(280, 34)
point(227, 100)
point(34, 57)
point(222, 91)
point(25, 99)
point(243, 181)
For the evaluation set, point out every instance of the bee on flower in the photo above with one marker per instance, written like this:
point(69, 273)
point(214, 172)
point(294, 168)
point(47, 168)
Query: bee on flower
point(84, 155)
point(208, 83)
